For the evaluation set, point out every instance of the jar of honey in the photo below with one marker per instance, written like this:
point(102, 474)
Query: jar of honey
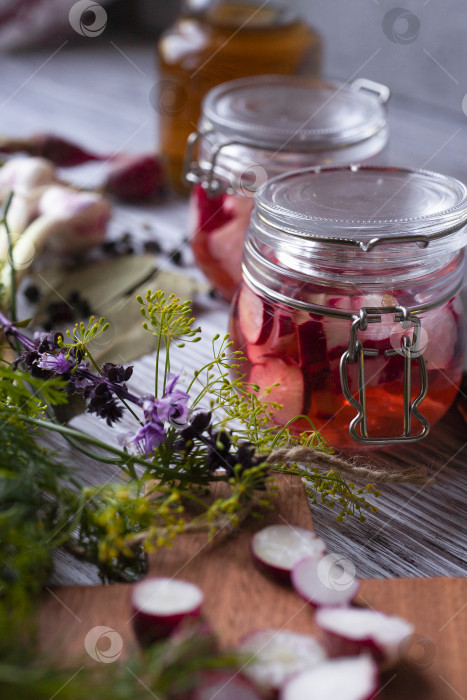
point(218, 40)
point(350, 300)
point(259, 127)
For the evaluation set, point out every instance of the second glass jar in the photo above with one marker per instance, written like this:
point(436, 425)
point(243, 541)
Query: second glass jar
point(256, 128)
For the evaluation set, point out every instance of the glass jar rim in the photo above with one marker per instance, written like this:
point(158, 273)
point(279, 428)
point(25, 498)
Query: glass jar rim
point(293, 113)
point(340, 205)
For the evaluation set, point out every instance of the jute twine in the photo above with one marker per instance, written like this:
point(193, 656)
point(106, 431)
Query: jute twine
point(379, 473)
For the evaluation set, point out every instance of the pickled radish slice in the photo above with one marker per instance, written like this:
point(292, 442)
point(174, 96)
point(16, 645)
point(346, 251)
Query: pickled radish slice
point(290, 392)
point(255, 323)
point(312, 343)
point(337, 679)
point(351, 631)
point(211, 212)
point(440, 329)
point(226, 246)
point(160, 604)
point(277, 548)
point(325, 581)
point(277, 655)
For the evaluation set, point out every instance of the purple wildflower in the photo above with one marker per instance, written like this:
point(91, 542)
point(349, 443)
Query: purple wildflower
point(58, 364)
point(173, 406)
point(149, 436)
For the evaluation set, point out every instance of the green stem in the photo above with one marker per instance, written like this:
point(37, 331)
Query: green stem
point(167, 363)
point(285, 427)
point(76, 434)
point(156, 384)
point(10, 258)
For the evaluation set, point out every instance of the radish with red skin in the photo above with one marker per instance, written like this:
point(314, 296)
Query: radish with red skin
point(277, 548)
point(160, 604)
point(276, 655)
point(337, 679)
point(135, 178)
point(254, 316)
point(351, 631)
point(224, 686)
point(325, 581)
point(290, 392)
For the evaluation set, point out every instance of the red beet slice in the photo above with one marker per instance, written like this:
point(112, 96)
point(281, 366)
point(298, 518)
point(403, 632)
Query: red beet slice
point(351, 631)
point(160, 604)
point(277, 548)
point(290, 392)
point(338, 679)
point(276, 655)
point(254, 317)
point(327, 581)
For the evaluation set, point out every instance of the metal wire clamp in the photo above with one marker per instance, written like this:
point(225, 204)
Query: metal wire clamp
point(410, 351)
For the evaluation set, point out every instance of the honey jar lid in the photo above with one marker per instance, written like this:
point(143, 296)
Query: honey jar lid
point(286, 113)
point(367, 207)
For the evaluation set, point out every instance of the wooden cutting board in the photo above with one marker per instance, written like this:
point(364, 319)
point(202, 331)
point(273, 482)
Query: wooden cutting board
point(240, 599)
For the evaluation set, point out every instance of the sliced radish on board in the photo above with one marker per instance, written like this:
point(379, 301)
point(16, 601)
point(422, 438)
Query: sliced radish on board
point(160, 604)
point(351, 631)
point(290, 392)
point(277, 548)
point(338, 679)
point(276, 655)
point(254, 317)
point(224, 686)
point(325, 581)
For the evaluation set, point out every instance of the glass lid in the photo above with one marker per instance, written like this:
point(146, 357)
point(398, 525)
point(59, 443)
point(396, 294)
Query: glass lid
point(365, 206)
point(294, 113)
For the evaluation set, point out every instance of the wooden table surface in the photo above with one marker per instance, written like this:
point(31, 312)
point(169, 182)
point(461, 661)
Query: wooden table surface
point(97, 92)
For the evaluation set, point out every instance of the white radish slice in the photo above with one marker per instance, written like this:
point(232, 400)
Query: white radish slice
point(337, 331)
point(252, 316)
point(338, 679)
point(325, 581)
point(276, 655)
point(350, 631)
point(277, 548)
point(290, 392)
point(160, 604)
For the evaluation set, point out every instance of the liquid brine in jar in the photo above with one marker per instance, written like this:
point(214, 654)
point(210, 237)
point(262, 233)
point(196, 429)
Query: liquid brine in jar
point(255, 128)
point(350, 301)
point(218, 40)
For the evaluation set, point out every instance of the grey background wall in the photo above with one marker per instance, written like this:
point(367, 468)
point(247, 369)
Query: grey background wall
point(418, 47)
